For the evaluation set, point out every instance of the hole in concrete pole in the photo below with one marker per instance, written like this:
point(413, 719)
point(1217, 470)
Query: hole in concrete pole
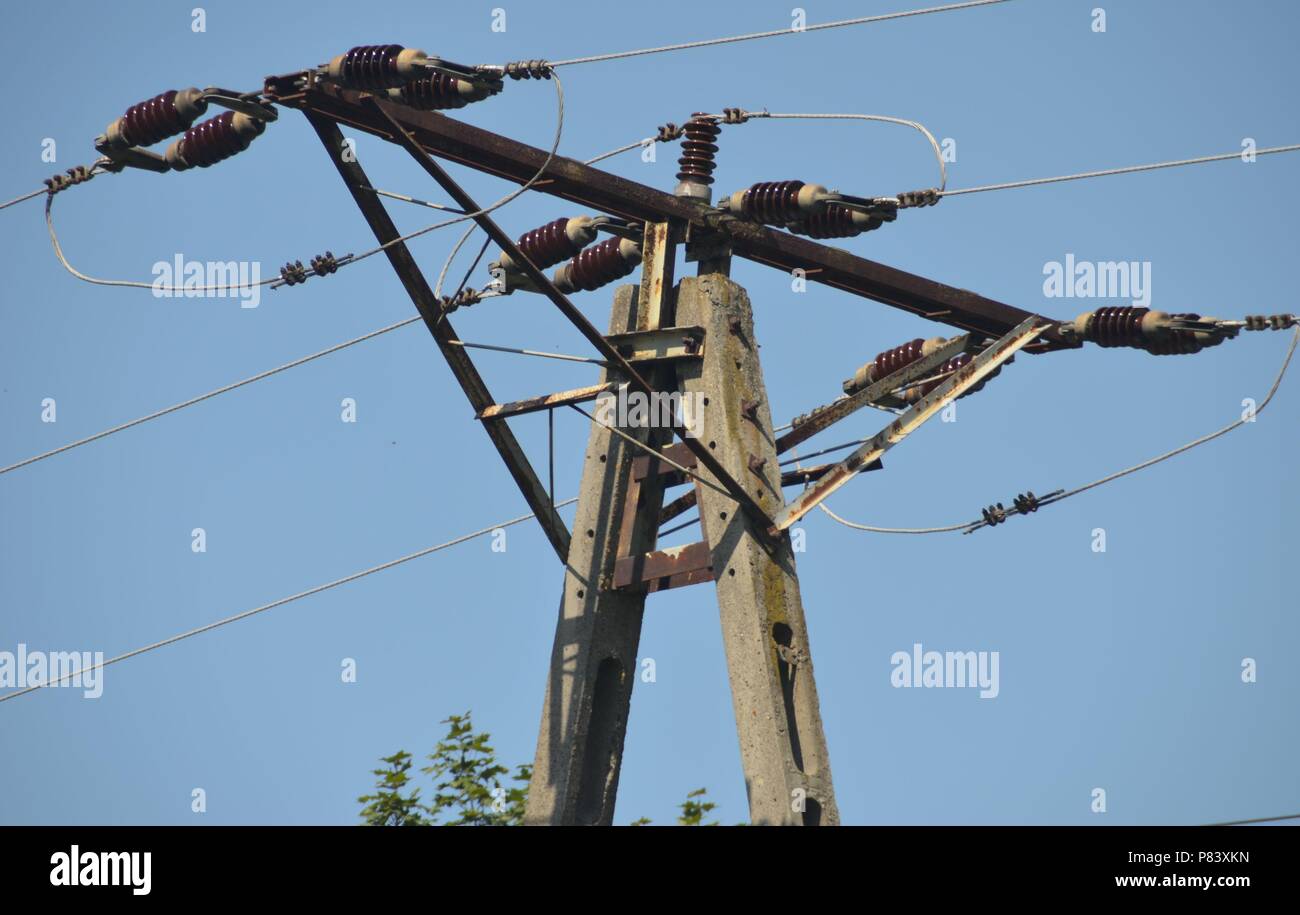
point(812, 813)
point(601, 754)
point(783, 635)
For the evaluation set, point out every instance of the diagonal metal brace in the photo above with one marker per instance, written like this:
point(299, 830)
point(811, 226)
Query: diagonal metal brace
point(567, 308)
point(480, 398)
point(964, 378)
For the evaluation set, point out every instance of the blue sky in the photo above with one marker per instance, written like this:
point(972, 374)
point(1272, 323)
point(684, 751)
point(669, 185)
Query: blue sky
point(1119, 670)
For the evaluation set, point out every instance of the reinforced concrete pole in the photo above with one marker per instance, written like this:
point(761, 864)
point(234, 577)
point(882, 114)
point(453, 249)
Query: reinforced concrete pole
point(769, 662)
point(593, 660)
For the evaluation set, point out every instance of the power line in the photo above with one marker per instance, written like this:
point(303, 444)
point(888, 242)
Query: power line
point(879, 118)
point(708, 42)
point(1173, 163)
point(409, 199)
point(277, 603)
point(20, 199)
point(614, 152)
point(526, 352)
point(1289, 816)
point(971, 526)
point(210, 394)
point(267, 374)
point(73, 176)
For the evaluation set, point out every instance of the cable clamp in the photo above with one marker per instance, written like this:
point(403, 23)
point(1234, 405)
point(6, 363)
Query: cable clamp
point(994, 514)
point(1026, 502)
point(669, 132)
point(1270, 322)
point(740, 115)
point(79, 174)
point(528, 69)
point(923, 198)
point(465, 298)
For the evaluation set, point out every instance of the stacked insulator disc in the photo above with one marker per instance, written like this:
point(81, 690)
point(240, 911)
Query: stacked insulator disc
point(890, 361)
point(547, 245)
point(598, 265)
point(952, 365)
point(772, 202)
point(836, 222)
point(214, 140)
point(439, 92)
point(699, 150)
point(377, 66)
point(162, 116)
point(1142, 328)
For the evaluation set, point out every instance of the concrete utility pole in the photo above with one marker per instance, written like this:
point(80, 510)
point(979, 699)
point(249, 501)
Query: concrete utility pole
point(593, 661)
point(769, 661)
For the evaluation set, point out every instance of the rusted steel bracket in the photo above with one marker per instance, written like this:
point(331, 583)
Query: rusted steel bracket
point(546, 401)
point(964, 378)
point(824, 417)
point(674, 567)
point(440, 327)
point(398, 133)
point(659, 570)
point(664, 345)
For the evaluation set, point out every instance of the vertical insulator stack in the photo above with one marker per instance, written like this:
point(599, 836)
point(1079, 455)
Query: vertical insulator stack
point(699, 155)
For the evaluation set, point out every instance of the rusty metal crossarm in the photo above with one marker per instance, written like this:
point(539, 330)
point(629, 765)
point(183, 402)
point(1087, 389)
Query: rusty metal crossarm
point(571, 180)
point(963, 379)
point(824, 417)
point(546, 401)
point(444, 335)
point(543, 283)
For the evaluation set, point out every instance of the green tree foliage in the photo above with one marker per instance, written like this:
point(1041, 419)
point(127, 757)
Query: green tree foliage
point(468, 780)
point(467, 788)
point(388, 806)
point(467, 785)
point(694, 812)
